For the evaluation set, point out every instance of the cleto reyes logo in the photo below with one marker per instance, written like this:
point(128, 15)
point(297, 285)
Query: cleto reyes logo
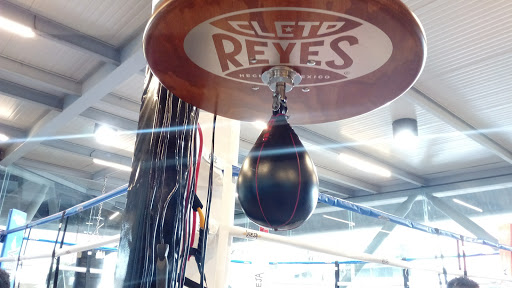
point(323, 46)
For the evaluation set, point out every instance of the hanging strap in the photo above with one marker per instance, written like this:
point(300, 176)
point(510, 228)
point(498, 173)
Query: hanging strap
point(162, 266)
point(464, 257)
point(48, 279)
point(56, 277)
point(458, 254)
point(18, 262)
point(405, 273)
point(445, 272)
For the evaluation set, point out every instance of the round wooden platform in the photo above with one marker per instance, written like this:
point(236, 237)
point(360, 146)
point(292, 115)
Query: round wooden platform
point(354, 55)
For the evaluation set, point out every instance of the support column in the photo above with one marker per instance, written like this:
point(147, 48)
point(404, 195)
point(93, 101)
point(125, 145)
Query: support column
point(227, 138)
point(401, 211)
point(38, 197)
point(461, 219)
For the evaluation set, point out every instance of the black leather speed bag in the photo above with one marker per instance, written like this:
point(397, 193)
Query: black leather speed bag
point(278, 183)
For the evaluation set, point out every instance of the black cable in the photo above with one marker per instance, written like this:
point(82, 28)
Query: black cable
point(56, 277)
point(18, 262)
point(189, 199)
point(53, 253)
point(208, 202)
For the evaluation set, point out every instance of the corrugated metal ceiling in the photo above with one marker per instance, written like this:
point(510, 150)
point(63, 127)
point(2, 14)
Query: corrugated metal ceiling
point(466, 72)
point(20, 114)
point(48, 55)
point(112, 22)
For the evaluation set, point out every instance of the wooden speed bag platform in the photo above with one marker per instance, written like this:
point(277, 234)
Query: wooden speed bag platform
point(353, 55)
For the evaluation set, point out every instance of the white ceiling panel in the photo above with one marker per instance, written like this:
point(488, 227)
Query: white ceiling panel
point(113, 22)
point(60, 158)
point(132, 88)
point(462, 33)
point(48, 55)
point(440, 148)
point(20, 114)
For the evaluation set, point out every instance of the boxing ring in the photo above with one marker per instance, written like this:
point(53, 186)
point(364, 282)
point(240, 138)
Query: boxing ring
point(244, 233)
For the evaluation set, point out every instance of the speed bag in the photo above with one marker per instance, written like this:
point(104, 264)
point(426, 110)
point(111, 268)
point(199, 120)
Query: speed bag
point(278, 184)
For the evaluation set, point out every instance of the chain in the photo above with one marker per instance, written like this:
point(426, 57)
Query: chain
point(98, 226)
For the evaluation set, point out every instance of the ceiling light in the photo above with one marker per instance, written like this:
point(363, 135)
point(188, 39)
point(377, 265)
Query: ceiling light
point(260, 125)
point(112, 164)
point(339, 220)
point(364, 165)
point(16, 28)
point(105, 135)
point(3, 137)
point(405, 132)
point(113, 215)
point(467, 205)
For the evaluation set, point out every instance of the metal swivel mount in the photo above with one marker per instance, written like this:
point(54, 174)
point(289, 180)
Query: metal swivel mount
point(280, 79)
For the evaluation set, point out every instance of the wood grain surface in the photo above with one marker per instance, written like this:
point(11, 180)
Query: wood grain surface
point(210, 53)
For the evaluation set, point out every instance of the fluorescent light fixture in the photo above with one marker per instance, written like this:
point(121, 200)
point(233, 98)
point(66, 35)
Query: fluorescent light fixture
point(467, 205)
point(16, 28)
point(3, 137)
point(260, 125)
point(364, 165)
point(113, 215)
point(339, 220)
point(112, 164)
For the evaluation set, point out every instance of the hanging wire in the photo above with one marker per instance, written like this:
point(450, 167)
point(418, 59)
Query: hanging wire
point(19, 263)
point(98, 226)
point(208, 203)
point(56, 277)
point(48, 278)
point(441, 257)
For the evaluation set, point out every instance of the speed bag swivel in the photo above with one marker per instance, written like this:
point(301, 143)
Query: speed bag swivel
point(278, 184)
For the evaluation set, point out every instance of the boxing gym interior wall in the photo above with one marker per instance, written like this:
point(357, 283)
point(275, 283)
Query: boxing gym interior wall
point(255, 143)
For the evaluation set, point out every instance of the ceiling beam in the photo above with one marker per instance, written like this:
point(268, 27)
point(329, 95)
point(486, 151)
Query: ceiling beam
point(55, 103)
point(62, 34)
point(73, 148)
point(24, 73)
point(12, 132)
point(122, 102)
point(335, 189)
point(382, 235)
point(110, 119)
point(96, 87)
point(461, 219)
point(52, 171)
point(336, 147)
point(23, 93)
point(88, 152)
point(331, 176)
point(430, 105)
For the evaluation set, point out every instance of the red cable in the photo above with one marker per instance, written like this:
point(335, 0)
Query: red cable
point(198, 165)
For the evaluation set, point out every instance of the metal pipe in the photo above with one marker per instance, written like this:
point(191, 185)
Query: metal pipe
point(244, 233)
point(73, 210)
point(65, 251)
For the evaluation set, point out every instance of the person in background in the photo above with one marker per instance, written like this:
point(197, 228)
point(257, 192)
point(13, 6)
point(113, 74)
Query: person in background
point(5, 282)
point(461, 282)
